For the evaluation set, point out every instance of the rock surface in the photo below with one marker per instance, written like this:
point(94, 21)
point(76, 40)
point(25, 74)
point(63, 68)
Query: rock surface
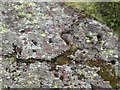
point(33, 31)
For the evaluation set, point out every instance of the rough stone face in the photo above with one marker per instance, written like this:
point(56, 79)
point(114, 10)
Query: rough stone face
point(37, 29)
point(33, 30)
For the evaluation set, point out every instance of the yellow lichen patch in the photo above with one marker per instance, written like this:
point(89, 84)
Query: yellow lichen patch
point(12, 59)
point(32, 4)
point(107, 72)
point(23, 14)
point(3, 28)
point(18, 7)
point(35, 20)
point(55, 85)
point(22, 2)
point(43, 16)
point(43, 34)
point(29, 15)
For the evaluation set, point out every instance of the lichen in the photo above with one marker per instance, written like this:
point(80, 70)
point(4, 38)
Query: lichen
point(107, 72)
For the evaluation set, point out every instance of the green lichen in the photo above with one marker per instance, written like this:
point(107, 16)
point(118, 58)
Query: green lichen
point(12, 59)
point(107, 72)
point(101, 11)
point(3, 28)
point(105, 75)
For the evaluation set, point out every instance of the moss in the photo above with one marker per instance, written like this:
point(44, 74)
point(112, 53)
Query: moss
point(13, 59)
point(105, 75)
point(105, 12)
point(62, 60)
point(104, 71)
point(71, 51)
point(89, 8)
point(26, 61)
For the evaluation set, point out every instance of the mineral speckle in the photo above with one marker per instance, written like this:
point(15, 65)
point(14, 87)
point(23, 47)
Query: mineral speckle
point(49, 45)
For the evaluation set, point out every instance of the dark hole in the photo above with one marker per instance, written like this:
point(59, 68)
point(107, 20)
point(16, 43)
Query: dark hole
point(41, 83)
point(74, 20)
point(86, 23)
point(6, 69)
point(34, 42)
point(14, 46)
point(13, 71)
point(77, 23)
point(50, 40)
point(20, 16)
point(3, 12)
point(99, 36)
point(22, 31)
point(71, 25)
point(13, 79)
point(75, 85)
point(65, 24)
point(72, 68)
point(66, 84)
point(112, 62)
point(79, 17)
point(8, 87)
point(62, 77)
point(24, 70)
point(27, 64)
point(19, 74)
point(13, 75)
point(34, 50)
point(17, 68)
